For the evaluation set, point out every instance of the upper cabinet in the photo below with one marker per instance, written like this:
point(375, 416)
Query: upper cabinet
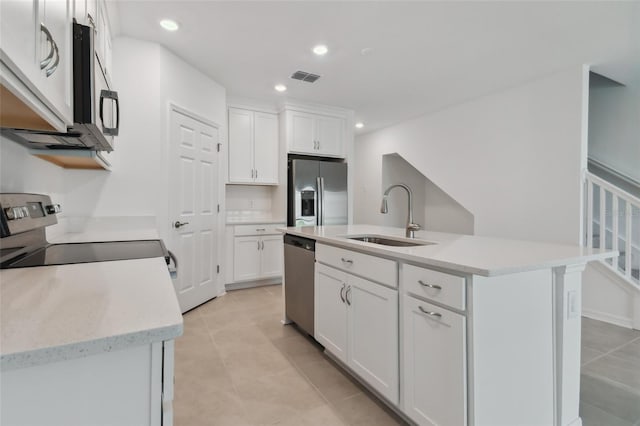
point(253, 147)
point(37, 58)
point(315, 134)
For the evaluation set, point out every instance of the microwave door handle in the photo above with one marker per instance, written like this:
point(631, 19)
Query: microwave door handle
point(109, 94)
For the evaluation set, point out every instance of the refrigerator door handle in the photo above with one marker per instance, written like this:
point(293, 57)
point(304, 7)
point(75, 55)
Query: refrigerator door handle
point(320, 182)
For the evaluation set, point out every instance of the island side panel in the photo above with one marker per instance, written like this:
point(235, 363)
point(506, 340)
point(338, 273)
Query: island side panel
point(511, 346)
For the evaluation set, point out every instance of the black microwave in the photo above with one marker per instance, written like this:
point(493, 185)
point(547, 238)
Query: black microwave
point(96, 108)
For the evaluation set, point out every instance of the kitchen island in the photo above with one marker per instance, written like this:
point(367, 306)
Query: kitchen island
point(458, 329)
point(88, 343)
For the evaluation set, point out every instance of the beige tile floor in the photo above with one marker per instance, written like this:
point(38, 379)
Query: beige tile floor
point(237, 365)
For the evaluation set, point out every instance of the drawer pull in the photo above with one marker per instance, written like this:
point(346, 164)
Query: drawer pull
point(435, 286)
point(260, 229)
point(349, 261)
point(433, 314)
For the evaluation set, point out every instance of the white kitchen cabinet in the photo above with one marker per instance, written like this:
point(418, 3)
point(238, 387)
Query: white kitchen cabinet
point(373, 335)
point(257, 252)
point(315, 134)
point(247, 258)
point(36, 46)
point(357, 322)
point(131, 386)
point(331, 310)
point(434, 368)
point(253, 147)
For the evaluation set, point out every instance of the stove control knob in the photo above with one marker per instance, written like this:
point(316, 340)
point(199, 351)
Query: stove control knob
point(10, 213)
point(53, 208)
point(25, 211)
point(18, 213)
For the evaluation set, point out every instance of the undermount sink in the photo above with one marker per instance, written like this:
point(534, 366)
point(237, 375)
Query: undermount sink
point(376, 239)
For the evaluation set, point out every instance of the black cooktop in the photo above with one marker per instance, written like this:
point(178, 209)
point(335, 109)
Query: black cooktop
point(63, 254)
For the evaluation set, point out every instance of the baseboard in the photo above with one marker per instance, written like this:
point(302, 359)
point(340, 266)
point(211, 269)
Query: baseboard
point(252, 284)
point(609, 318)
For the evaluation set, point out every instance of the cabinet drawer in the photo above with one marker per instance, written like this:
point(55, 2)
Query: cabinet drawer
point(384, 271)
point(258, 229)
point(437, 286)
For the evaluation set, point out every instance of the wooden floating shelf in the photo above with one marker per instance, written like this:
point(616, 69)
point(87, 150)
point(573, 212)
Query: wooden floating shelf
point(73, 159)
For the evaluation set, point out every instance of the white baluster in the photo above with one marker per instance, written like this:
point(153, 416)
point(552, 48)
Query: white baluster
point(590, 207)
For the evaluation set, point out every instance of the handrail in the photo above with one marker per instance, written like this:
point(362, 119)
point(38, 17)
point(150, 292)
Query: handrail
point(612, 188)
point(622, 266)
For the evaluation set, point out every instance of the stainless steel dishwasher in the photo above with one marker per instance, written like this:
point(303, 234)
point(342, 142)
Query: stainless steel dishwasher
point(299, 267)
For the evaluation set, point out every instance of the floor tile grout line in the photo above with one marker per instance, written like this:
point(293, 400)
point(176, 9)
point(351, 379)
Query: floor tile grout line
point(609, 352)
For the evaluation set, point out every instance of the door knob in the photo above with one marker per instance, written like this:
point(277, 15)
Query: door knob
point(177, 224)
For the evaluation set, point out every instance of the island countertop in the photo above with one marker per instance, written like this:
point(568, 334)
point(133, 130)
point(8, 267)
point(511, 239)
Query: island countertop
point(466, 254)
point(54, 313)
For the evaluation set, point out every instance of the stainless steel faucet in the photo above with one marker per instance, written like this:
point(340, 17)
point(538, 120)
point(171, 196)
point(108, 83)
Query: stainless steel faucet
point(384, 208)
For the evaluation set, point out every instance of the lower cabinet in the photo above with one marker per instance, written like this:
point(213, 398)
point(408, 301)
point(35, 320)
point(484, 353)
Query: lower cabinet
point(434, 368)
point(357, 321)
point(257, 256)
point(131, 386)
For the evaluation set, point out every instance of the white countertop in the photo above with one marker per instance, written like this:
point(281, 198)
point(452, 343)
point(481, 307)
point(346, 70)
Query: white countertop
point(240, 221)
point(53, 313)
point(463, 253)
point(105, 235)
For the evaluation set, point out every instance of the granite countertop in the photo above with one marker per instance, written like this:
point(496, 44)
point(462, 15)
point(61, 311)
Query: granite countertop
point(55, 313)
point(462, 253)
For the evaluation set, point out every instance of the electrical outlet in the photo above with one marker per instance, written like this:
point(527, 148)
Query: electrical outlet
point(573, 308)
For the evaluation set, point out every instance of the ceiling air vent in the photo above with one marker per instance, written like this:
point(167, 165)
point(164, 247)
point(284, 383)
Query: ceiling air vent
point(305, 76)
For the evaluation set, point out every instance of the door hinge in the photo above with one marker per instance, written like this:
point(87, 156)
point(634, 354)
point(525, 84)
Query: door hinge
point(218, 269)
point(219, 146)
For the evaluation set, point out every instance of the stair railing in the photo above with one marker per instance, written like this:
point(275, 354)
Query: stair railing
point(613, 222)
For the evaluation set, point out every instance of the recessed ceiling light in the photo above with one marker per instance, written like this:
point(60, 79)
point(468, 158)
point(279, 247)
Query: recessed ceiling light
point(169, 25)
point(320, 50)
point(280, 87)
point(359, 125)
point(366, 51)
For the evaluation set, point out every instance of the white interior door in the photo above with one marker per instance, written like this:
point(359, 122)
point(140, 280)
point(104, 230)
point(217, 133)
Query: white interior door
point(193, 202)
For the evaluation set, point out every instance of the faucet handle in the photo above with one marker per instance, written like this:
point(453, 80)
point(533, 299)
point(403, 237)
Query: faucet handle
point(414, 227)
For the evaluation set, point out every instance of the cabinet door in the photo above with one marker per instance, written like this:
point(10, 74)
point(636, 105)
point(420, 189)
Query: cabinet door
point(240, 146)
point(329, 134)
point(302, 137)
point(18, 35)
point(331, 310)
point(373, 335)
point(434, 367)
point(246, 258)
point(55, 79)
point(266, 148)
point(271, 254)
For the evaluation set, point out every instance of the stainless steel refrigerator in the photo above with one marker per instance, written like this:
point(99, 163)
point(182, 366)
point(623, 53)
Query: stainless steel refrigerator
point(317, 192)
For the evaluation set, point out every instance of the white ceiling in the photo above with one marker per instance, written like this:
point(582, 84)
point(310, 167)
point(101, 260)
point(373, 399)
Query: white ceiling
point(426, 55)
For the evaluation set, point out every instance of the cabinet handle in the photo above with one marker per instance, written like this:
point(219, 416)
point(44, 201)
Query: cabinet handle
point(342, 293)
point(54, 67)
point(347, 261)
point(260, 229)
point(262, 243)
point(45, 61)
point(256, 173)
point(346, 295)
point(258, 244)
point(435, 286)
point(430, 313)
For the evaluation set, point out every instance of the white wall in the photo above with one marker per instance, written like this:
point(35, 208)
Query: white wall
point(614, 125)
point(433, 209)
point(513, 159)
point(22, 172)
